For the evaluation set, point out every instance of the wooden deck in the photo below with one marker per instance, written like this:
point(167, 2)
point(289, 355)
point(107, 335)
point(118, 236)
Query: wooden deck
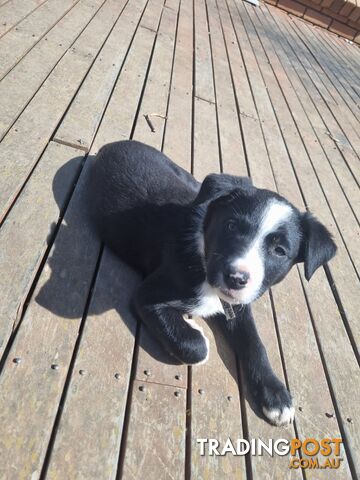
point(84, 391)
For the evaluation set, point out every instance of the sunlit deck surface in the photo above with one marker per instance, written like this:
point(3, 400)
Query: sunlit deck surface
point(84, 392)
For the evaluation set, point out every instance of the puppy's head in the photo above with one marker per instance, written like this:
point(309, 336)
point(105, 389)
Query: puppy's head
point(252, 238)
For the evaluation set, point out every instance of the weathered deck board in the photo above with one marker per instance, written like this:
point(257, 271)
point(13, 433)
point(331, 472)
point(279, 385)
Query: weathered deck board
point(2, 2)
point(94, 422)
point(276, 148)
point(120, 116)
point(157, 380)
point(237, 88)
point(333, 76)
point(79, 271)
point(347, 57)
point(15, 11)
point(341, 267)
point(230, 137)
point(333, 126)
point(156, 414)
point(21, 250)
point(177, 141)
point(340, 58)
point(105, 306)
point(315, 409)
point(340, 168)
point(215, 409)
point(204, 85)
point(23, 81)
point(155, 99)
point(344, 105)
point(330, 64)
point(50, 326)
point(91, 100)
point(313, 79)
point(263, 467)
point(291, 302)
point(308, 61)
point(16, 43)
point(342, 404)
point(217, 378)
point(311, 192)
point(338, 357)
point(154, 365)
point(311, 189)
point(249, 119)
point(205, 140)
point(47, 107)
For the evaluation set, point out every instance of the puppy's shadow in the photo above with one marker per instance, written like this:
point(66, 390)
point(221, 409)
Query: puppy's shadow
point(74, 279)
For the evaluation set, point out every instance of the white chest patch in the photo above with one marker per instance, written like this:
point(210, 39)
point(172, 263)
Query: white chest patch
point(208, 302)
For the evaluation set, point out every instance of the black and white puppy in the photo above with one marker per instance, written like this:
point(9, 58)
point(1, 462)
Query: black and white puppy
point(199, 245)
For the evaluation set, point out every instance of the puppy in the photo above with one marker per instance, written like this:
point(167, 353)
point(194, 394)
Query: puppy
point(201, 247)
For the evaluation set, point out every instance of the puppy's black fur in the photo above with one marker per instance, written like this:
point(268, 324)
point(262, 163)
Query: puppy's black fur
point(184, 237)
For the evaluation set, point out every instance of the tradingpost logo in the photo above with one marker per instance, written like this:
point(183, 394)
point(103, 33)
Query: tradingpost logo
point(309, 453)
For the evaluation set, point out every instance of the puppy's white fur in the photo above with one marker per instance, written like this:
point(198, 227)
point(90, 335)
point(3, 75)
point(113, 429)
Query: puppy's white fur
point(253, 260)
point(280, 417)
point(195, 326)
point(208, 302)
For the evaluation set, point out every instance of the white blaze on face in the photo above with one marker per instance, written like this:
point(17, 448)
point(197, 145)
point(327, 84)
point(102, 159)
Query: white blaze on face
point(253, 259)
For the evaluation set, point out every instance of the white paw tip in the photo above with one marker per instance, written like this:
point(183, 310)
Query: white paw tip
point(195, 326)
point(208, 351)
point(280, 417)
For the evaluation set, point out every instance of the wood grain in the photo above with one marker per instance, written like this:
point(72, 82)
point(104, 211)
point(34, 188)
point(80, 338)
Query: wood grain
point(17, 42)
point(22, 249)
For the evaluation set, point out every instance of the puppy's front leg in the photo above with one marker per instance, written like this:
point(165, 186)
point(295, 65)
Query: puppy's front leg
point(268, 392)
point(181, 338)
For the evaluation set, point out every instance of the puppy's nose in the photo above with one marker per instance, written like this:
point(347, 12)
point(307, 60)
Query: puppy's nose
point(238, 279)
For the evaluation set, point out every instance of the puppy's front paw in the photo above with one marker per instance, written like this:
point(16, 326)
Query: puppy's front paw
point(200, 353)
point(276, 402)
point(281, 416)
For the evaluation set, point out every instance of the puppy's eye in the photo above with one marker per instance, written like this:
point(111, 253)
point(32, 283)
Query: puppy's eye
point(279, 251)
point(231, 226)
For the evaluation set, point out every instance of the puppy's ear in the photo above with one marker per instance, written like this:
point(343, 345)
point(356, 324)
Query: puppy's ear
point(218, 184)
point(219, 201)
point(317, 246)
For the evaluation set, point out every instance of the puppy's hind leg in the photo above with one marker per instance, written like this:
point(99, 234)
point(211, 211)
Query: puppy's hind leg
point(183, 339)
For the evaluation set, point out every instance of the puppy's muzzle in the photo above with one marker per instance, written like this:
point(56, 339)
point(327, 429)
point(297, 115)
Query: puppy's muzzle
point(237, 279)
